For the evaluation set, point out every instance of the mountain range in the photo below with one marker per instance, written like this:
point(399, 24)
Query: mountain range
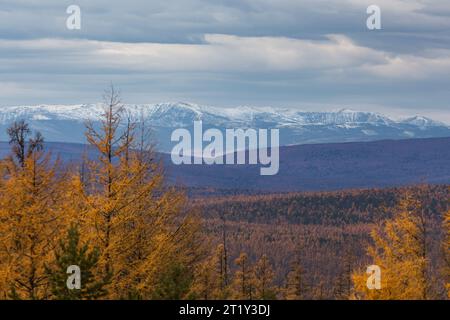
point(65, 123)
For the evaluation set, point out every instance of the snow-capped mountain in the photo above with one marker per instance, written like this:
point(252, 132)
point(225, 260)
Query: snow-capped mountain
point(65, 123)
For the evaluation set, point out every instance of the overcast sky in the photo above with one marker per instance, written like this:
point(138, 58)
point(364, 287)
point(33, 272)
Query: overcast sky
point(310, 54)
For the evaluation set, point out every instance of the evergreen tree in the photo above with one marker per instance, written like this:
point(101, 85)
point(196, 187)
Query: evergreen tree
point(174, 283)
point(72, 252)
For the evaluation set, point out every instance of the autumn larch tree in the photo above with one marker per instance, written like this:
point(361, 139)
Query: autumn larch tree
point(343, 285)
point(244, 281)
point(30, 216)
point(400, 251)
point(264, 278)
point(139, 225)
point(210, 282)
point(295, 281)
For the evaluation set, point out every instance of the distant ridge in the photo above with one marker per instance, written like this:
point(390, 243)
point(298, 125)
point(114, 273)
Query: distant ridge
point(320, 167)
point(65, 123)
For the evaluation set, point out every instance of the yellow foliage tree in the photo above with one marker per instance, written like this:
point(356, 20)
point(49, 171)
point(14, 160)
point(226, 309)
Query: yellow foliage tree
point(295, 281)
point(400, 251)
point(264, 278)
point(138, 224)
point(31, 219)
point(244, 281)
point(211, 277)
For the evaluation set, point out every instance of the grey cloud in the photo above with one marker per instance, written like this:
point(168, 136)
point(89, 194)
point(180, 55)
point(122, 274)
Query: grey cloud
point(413, 45)
point(184, 21)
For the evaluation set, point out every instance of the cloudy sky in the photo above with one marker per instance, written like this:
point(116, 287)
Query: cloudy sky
point(310, 54)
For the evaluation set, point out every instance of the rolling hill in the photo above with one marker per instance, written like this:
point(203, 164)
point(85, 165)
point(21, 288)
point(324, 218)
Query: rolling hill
point(315, 167)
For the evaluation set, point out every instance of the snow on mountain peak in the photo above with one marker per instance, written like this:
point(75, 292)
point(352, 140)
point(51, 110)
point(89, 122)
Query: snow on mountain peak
point(170, 114)
point(64, 123)
point(421, 121)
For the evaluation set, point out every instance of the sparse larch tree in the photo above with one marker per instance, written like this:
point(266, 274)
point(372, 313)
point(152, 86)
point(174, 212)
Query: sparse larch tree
point(244, 280)
point(264, 278)
point(31, 218)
